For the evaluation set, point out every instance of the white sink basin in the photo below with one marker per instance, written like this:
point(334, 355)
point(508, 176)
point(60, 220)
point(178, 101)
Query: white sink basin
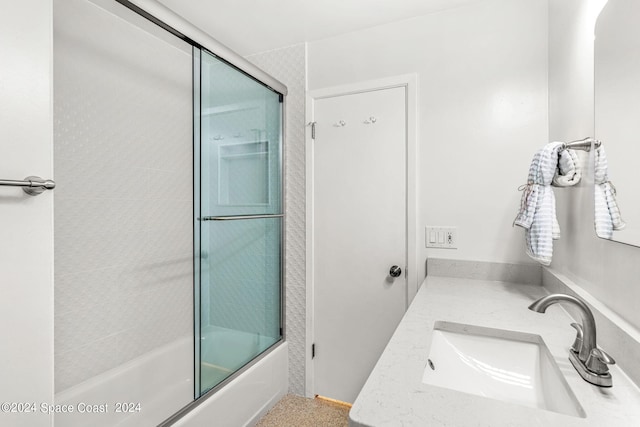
point(505, 365)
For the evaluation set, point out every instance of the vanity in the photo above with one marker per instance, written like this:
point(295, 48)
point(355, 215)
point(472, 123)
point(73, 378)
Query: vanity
point(408, 386)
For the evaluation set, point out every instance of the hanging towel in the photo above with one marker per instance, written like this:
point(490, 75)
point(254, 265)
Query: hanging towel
point(607, 214)
point(537, 213)
point(568, 172)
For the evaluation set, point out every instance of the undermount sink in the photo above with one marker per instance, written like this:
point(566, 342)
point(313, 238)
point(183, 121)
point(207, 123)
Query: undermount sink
point(505, 365)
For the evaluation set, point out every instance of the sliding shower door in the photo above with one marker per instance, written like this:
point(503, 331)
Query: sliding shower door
point(123, 217)
point(238, 224)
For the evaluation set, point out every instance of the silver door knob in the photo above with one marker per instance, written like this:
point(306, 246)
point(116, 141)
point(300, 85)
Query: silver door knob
point(395, 271)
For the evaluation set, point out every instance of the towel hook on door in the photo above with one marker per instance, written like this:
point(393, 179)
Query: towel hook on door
point(32, 185)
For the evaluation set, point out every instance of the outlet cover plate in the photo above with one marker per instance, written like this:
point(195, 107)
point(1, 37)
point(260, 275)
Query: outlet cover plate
point(441, 237)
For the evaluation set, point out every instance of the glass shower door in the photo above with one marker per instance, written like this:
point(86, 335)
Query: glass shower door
point(239, 220)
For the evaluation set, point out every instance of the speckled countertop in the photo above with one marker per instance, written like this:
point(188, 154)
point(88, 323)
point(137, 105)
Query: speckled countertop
point(394, 394)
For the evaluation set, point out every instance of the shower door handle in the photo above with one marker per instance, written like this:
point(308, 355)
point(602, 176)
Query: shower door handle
point(239, 217)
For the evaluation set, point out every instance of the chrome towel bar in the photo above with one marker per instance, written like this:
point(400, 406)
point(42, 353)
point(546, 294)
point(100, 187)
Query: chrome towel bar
point(237, 217)
point(582, 144)
point(32, 185)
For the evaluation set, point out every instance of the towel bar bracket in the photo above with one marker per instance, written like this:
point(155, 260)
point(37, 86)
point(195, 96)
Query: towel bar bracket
point(32, 185)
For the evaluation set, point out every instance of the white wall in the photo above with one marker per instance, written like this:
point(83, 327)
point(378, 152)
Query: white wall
point(607, 270)
point(482, 78)
point(26, 223)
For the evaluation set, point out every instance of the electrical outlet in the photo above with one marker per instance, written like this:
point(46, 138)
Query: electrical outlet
point(450, 239)
point(441, 237)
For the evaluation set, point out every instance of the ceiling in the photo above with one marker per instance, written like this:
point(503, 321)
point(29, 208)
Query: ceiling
point(252, 26)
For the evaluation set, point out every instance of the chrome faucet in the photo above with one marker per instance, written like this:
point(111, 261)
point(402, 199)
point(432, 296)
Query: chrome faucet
point(590, 362)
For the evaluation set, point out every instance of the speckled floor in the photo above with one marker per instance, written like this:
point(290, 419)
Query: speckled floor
point(297, 411)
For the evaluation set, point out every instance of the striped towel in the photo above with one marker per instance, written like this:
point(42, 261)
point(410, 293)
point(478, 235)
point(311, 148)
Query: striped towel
point(607, 215)
point(568, 172)
point(537, 213)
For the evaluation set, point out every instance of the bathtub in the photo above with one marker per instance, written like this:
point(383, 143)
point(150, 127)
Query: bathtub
point(248, 397)
point(161, 382)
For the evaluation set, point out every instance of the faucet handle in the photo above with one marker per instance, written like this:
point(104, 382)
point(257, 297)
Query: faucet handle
point(577, 344)
point(598, 360)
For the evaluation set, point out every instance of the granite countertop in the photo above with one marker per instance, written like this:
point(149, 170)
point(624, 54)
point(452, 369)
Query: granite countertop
point(394, 394)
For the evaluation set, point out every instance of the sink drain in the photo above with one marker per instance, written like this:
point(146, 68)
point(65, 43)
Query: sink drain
point(431, 365)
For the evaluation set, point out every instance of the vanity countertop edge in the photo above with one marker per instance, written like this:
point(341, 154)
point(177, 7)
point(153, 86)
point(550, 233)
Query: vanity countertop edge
point(394, 394)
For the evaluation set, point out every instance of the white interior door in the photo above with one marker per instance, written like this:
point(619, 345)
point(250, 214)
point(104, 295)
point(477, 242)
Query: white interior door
point(359, 233)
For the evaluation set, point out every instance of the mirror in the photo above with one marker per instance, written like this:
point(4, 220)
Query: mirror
point(617, 110)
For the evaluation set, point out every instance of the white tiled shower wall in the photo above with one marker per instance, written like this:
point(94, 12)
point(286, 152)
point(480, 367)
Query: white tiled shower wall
point(289, 66)
point(123, 203)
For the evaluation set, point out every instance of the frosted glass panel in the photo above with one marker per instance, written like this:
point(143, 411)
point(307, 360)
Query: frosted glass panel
point(239, 174)
point(123, 216)
point(243, 302)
